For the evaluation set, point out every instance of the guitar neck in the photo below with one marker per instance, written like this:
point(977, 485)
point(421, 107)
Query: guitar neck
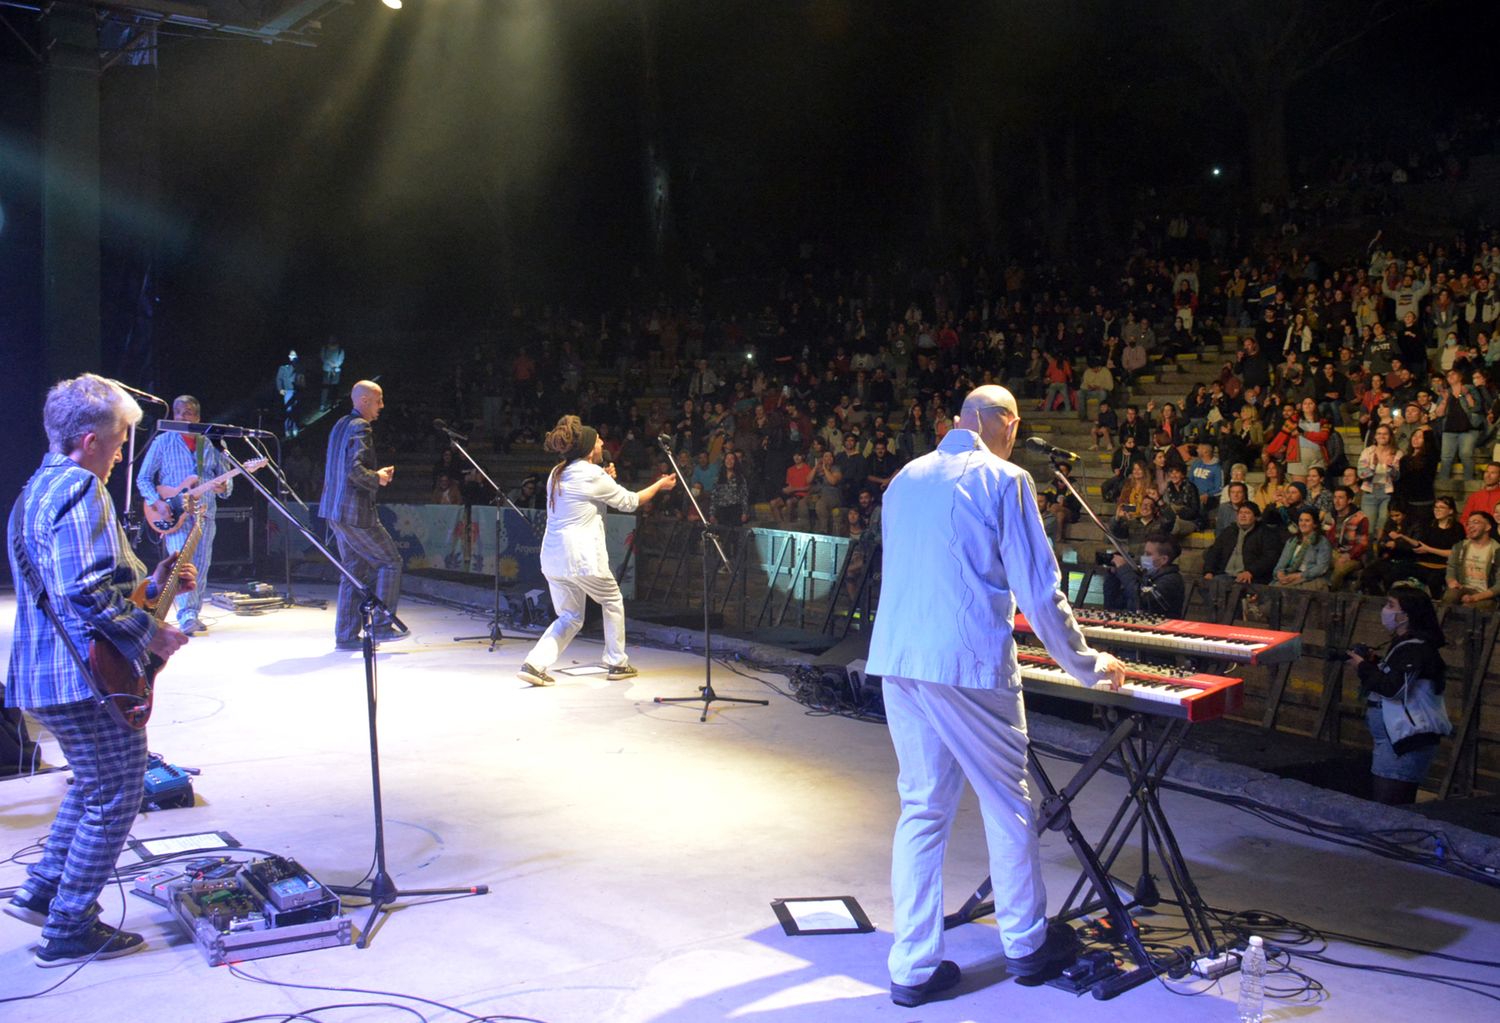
point(169, 592)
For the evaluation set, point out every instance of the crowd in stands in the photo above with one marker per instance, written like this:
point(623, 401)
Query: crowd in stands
point(798, 414)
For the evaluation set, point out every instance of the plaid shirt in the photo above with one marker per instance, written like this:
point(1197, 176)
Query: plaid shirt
point(168, 462)
point(1351, 534)
point(350, 480)
point(76, 544)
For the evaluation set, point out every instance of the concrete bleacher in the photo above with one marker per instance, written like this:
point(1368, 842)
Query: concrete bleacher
point(1168, 381)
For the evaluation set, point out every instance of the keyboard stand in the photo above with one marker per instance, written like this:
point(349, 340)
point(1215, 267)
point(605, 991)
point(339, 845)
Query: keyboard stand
point(1144, 748)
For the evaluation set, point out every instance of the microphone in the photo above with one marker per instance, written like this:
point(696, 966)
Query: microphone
point(143, 395)
point(209, 429)
point(452, 433)
point(664, 441)
point(1050, 450)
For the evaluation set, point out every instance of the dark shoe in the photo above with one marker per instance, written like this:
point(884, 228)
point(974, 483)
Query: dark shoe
point(100, 941)
point(391, 635)
point(1058, 949)
point(192, 627)
point(944, 977)
point(618, 672)
point(32, 909)
point(535, 676)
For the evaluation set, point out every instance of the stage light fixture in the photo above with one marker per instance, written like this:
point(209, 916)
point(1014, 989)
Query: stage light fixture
point(394, 5)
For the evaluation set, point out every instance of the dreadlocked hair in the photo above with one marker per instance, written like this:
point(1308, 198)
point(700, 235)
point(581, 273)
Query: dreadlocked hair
point(562, 440)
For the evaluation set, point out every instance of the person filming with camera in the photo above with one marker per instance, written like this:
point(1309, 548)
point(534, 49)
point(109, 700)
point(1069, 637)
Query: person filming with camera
point(1155, 586)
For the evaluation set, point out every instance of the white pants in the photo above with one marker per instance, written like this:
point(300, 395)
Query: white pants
point(569, 597)
point(943, 734)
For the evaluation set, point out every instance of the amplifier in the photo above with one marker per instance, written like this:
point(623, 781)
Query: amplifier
point(234, 544)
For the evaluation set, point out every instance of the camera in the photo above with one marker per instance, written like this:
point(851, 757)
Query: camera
point(1104, 559)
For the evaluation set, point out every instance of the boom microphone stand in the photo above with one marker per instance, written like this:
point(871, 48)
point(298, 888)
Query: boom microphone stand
point(710, 534)
point(382, 890)
point(495, 634)
point(1061, 477)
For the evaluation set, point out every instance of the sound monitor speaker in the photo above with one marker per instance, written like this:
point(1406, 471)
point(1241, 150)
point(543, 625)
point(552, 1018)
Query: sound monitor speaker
point(234, 541)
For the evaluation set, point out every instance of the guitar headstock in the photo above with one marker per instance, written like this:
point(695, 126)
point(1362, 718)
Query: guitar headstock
point(256, 464)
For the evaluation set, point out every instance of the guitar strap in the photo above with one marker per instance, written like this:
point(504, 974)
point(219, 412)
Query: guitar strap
point(43, 599)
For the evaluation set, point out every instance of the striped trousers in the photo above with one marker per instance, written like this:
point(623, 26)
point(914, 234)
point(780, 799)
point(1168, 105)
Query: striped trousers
point(108, 762)
point(371, 554)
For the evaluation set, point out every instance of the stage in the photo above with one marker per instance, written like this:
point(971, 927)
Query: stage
point(632, 852)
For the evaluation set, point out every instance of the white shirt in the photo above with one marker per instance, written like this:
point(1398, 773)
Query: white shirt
point(963, 547)
point(574, 541)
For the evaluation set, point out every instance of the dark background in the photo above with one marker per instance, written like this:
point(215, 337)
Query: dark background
point(424, 169)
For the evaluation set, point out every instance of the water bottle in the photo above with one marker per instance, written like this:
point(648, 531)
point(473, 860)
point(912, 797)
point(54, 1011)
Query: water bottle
point(1253, 982)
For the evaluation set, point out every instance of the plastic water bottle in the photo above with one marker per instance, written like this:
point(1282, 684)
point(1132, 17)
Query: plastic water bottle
point(1253, 982)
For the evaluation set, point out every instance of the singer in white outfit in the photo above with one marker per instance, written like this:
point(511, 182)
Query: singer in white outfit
point(963, 546)
point(574, 558)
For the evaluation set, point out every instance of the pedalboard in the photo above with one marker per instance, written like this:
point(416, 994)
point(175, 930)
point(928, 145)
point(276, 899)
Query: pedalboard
point(235, 911)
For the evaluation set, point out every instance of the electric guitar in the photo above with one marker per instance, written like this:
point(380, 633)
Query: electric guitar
point(174, 497)
point(127, 688)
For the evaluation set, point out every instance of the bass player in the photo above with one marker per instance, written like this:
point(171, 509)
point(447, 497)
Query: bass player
point(176, 460)
point(72, 544)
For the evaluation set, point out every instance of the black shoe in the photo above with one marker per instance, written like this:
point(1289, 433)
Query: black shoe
point(534, 676)
point(32, 909)
point(391, 635)
point(618, 672)
point(1058, 949)
point(100, 941)
point(944, 977)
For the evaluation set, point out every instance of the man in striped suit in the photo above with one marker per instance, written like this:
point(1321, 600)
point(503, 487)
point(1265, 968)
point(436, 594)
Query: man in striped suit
point(65, 539)
point(350, 483)
point(172, 460)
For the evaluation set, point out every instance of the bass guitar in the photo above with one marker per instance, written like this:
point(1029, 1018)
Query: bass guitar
point(175, 498)
point(127, 687)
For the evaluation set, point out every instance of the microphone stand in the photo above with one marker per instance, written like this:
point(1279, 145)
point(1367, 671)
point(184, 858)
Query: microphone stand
point(1061, 477)
point(710, 535)
point(286, 488)
point(501, 501)
point(382, 890)
point(131, 520)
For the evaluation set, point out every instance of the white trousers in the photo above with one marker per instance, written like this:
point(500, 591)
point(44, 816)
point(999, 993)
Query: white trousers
point(569, 598)
point(943, 734)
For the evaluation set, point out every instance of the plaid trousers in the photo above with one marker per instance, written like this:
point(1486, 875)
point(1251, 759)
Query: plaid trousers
point(108, 762)
point(371, 554)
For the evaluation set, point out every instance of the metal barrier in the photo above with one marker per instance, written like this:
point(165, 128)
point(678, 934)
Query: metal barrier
point(831, 585)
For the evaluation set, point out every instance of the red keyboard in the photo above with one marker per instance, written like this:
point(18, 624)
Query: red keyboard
point(1149, 688)
point(1192, 639)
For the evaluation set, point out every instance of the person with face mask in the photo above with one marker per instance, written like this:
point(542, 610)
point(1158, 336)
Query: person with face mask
point(1404, 694)
point(1157, 588)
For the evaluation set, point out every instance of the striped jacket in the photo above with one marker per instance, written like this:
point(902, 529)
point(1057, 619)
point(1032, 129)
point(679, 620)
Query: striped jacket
point(76, 544)
point(350, 479)
point(168, 462)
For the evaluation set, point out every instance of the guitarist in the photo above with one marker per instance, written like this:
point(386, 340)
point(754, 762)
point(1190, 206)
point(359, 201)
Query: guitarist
point(73, 541)
point(172, 460)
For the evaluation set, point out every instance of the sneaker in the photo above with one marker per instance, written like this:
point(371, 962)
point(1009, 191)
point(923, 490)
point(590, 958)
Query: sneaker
point(534, 676)
point(1058, 949)
point(192, 627)
point(32, 909)
point(100, 941)
point(944, 977)
point(617, 672)
point(391, 635)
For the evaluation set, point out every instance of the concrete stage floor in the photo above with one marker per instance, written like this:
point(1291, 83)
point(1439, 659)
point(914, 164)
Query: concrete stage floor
point(632, 852)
